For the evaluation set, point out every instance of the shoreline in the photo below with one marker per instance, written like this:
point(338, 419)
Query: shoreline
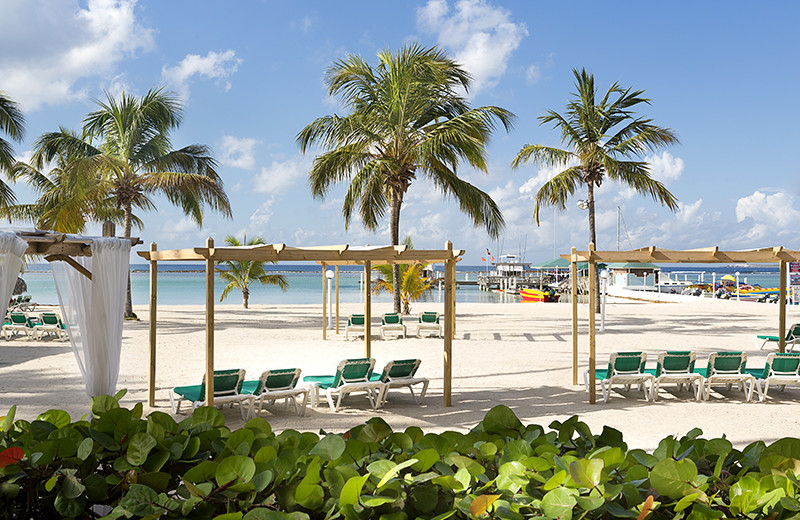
point(517, 355)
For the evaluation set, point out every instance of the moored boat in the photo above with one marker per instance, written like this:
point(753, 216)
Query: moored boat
point(535, 295)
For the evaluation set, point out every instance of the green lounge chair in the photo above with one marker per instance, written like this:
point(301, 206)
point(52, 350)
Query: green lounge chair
point(792, 338)
point(352, 375)
point(625, 368)
point(392, 323)
point(355, 325)
point(429, 322)
point(50, 324)
point(274, 385)
point(729, 368)
point(400, 373)
point(677, 366)
point(227, 390)
point(18, 322)
point(782, 368)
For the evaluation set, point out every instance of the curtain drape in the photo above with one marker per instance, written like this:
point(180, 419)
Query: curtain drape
point(11, 250)
point(93, 311)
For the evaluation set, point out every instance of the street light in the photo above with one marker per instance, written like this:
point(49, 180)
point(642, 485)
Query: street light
point(583, 204)
point(329, 276)
point(604, 276)
point(737, 286)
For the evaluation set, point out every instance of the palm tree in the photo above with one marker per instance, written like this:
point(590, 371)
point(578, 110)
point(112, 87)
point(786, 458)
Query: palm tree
point(242, 274)
point(604, 139)
point(12, 123)
point(413, 283)
point(132, 161)
point(406, 118)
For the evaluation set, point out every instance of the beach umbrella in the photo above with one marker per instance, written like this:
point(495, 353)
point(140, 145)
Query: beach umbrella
point(728, 277)
point(20, 287)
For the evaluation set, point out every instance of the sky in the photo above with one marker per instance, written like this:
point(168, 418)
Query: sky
point(722, 75)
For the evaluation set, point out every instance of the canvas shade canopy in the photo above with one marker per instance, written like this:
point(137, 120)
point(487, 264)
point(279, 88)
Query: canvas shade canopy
point(333, 255)
point(652, 254)
point(91, 303)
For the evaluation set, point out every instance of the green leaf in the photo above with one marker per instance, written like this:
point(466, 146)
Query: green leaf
point(375, 430)
point(140, 501)
point(103, 403)
point(501, 420)
point(481, 503)
point(587, 473)
point(375, 501)
point(229, 516)
point(558, 503)
point(85, 448)
point(8, 419)
point(425, 460)
point(139, 448)
point(51, 482)
point(72, 487)
point(395, 470)
point(202, 472)
point(208, 415)
point(260, 424)
point(686, 502)
point(237, 468)
point(310, 496)
point(58, 418)
point(352, 491)
point(673, 478)
point(617, 511)
point(330, 447)
point(68, 507)
point(241, 441)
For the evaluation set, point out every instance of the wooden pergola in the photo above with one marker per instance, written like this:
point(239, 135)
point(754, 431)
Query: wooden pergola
point(652, 254)
point(325, 256)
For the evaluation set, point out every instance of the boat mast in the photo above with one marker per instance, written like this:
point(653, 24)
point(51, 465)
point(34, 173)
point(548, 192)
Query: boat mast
point(619, 213)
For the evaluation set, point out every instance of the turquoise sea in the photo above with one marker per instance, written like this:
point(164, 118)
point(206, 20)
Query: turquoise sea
point(184, 284)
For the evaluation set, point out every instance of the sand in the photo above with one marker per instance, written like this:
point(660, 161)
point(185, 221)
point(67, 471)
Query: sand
point(518, 355)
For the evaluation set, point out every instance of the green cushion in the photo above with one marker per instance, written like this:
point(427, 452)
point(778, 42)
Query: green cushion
point(356, 319)
point(768, 338)
point(322, 381)
point(428, 317)
point(192, 393)
point(250, 387)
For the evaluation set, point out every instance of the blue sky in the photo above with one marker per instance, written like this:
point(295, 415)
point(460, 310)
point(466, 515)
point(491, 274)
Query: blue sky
point(723, 75)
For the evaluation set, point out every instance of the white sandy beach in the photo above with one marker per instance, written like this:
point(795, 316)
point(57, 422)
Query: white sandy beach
point(513, 354)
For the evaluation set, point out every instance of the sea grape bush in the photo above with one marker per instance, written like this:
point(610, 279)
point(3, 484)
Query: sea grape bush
point(118, 464)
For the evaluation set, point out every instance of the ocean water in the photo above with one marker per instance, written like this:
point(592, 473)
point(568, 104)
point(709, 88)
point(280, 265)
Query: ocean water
point(184, 284)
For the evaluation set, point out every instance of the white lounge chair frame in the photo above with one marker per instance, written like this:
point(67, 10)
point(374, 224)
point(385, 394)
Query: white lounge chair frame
point(245, 402)
point(356, 330)
point(394, 329)
point(424, 326)
point(780, 378)
point(289, 392)
point(644, 380)
point(407, 381)
point(680, 377)
point(10, 329)
point(334, 395)
point(792, 338)
point(45, 328)
point(745, 381)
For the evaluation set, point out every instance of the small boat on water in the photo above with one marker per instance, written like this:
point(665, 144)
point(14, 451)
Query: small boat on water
point(535, 295)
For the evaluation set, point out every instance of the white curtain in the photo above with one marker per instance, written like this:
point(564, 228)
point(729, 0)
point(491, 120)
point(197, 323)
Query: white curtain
point(11, 250)
point(93, 310)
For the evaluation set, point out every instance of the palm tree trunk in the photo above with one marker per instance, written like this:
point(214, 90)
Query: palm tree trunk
point(127, 234)
point(245, 298)
point(593, 238)
point(394, 225)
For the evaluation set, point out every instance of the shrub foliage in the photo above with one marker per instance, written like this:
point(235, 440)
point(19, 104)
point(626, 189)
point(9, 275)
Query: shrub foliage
point(118, 464)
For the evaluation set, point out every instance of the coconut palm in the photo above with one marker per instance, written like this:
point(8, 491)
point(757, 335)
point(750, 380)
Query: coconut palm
point(406, 117)
point(604, 139)
point(12, 123)
point(132, 161)
point(413, 283)
point(242, 274)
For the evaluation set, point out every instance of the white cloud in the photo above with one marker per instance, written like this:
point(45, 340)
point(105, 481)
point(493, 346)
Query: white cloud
point(214, 65)
point(665, 167)
point(544, 174)
point(772, 216)
point(533, 74)
point(482, 36)
point(57, 44)
point(260, 219)
point(237, 152)
point(690, 213)
point(280, 176)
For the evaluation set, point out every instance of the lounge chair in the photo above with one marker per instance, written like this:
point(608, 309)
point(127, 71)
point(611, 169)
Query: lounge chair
point(782, 368)
point(227, 390)
point(401, 373)
point(274, 385)
point(392, 323)
point(429, 322)
point(352, 375)
point(18, 322)
point(677, 366)
point(729, 368)
point(625, 368)
point(792, 338)
point(50, 324)
point(355, 325)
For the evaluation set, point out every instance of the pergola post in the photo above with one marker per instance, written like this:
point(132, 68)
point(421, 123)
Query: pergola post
point(782, 309)
point(592, 266)
point(210, 323)
point(337, 299)
point(367, 309)
point(324, 305)
point(449, 318)
point(151, 382)
point(573, 272)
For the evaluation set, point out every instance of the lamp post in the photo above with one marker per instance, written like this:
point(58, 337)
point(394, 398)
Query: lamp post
point(329, 276)
point(604, 275)
point(737, 286)
point(713, 285)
